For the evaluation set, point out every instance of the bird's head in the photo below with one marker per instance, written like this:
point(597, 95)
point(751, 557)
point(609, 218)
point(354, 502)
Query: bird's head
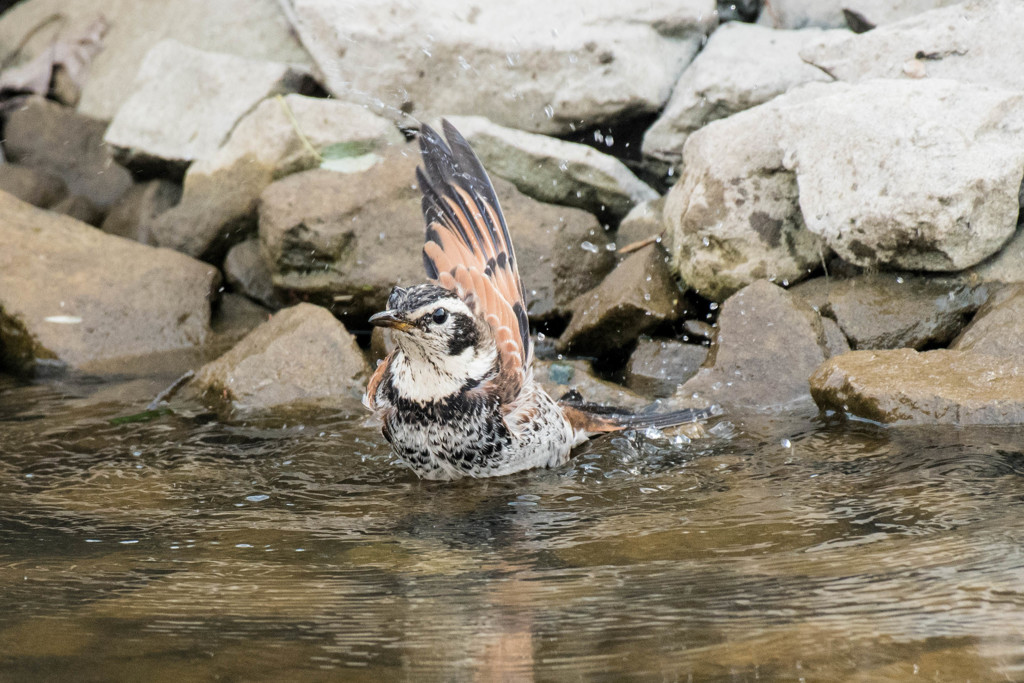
point(437, 333)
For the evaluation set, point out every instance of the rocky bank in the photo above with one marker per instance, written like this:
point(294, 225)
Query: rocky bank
point(764, 206)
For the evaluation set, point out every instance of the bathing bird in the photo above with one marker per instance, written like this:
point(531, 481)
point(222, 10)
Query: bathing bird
point(457, 395)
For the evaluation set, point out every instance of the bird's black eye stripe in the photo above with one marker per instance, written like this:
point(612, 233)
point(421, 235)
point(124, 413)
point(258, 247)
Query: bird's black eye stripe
point(439, 316)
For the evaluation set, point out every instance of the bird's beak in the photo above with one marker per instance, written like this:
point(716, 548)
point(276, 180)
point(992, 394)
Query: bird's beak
point(393, 319)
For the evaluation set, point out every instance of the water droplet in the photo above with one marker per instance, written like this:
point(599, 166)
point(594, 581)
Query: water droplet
point(786, 443)
point(611, 246)
point(588, 246)
point(563, 165)
point(706, 242)
point(653, 433)
point(464, 64)
point(258, 498)
point(899, 280)
point(713, 306)
point(609, 141)
point(243, 545)
point(549, 111)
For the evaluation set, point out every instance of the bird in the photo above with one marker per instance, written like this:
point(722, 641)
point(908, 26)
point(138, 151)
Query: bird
point(457, 396)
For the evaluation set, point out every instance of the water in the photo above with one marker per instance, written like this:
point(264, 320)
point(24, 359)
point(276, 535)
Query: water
point(292, 548)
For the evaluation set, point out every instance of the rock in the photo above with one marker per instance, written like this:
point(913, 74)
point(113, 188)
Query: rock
point(1007, 265)
point(235, 316)
point(893, 311)
point(136, 209)
point(658, 366)
point(562, 376)
point(637, 297)
point(644, 221)
point(38, 188)
point(698, 329)
point(998, 327)
point(92, 296)
point(79, 208)
point(167, 122)
point(741, 66)
point(977, 42)
point(734, 216)
point(932, 387)
point(347, 240)
point(924, 191)
point(47, 136)
point(303, 354)
point(768, 344)
point(221, 191)
point(136, 26)
point(528, 65)
point(829, 13)
point(555, 171)
point(247, 272)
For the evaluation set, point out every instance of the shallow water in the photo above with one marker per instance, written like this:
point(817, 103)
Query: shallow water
point(293, 548)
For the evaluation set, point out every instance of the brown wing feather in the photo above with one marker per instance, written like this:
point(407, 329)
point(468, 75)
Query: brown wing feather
point(468, 248)
point(369, 398)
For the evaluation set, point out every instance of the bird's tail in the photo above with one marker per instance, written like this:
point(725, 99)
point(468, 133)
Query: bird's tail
point(591, 419)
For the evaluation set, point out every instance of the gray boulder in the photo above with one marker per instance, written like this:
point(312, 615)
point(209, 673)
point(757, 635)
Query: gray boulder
point(768, 344)
point(742, 65)
point(933, 387)
point(256, 29)
point(345, 240)
point(37, 187)
point(977, 42)
point(935, 188)
point(657, 367)
point(135, 211)
point(47, 136)
point(247, 272)
point(167, 122)
point(555, 171)
point(71, 295)
point(635, 298)
point(734, 216)
point(301, 355)
point(543, 67)
point(279, 137)
point(893, 311)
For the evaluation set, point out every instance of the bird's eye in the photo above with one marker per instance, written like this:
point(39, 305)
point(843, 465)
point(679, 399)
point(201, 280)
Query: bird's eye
point(439, 316)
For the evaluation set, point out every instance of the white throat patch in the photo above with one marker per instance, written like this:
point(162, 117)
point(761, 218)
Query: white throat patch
point(421, 379)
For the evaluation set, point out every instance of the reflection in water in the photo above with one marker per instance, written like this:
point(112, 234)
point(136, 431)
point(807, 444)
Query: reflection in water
point(777, 548)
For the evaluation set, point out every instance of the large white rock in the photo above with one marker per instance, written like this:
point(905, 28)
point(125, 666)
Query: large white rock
point(734, 216)
point(185, 101)
point(256, 29)
point(829, 13)
point(920, 175)
point(742, 65)
point(539, 66)
point(280, 136)
point(555, 171)
point(979, 42)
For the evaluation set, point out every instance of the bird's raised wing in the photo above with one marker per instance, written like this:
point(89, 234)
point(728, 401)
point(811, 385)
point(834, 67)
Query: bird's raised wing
point(468, 248)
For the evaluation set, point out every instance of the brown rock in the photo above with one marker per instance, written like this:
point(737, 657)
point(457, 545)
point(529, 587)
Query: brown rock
point(768, 344)
point(247, 272)
point(658, 366)
point(643, 222)
point(302, 355)
point(998, 328)
point(345, 240)
point(38, 188)
point(636, 297)
point(70, 294)
point(904, 386)
point(57, 139)
point(137, 208)
point(891, 311)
